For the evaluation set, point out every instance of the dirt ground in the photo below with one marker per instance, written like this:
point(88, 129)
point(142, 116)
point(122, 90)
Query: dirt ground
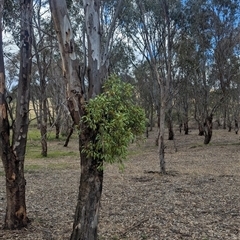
point(199, 198)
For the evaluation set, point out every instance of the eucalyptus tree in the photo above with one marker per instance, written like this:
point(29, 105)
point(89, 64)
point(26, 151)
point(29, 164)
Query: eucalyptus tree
point(148, 90)
point(99, 115)
point(199, 31)
point(211, 26)
point(42, 57)
point(13, 151)
point(225, 32)
point(153, 28)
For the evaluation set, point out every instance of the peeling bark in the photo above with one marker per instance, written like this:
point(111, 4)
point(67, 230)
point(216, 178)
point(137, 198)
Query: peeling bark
point(66, 45)
point(13, 156)
point(90, 188)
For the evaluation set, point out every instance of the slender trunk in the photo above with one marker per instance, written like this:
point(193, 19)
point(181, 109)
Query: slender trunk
point(185, 124)
point(186, 129)
point(69, 135)
point(42, 69)
point(208, 130)
point(229, 126)
point(170, 131)
point(43, 121)
point(161, 145)
point(158, 118)
point(170, 126)
point(225, 117)
point(180, 127)
point(57, 129)
point(236, 126)
point(151, 118)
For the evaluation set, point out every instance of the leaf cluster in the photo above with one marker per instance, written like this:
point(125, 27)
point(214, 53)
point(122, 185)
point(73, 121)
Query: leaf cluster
point(115, 119)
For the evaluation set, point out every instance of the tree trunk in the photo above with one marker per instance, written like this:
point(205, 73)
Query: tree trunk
point(161, 135)
point(236, 126)
point(185, 124)
point(15, 183)
point(151, 118)
point(186, 129)
point(90, 190)
point(43, 117)
point(43, 108)
point(57, 128)
point(170, 132)
point(200, 129)
point(69, 135)
point(13, 156)
point(225, 116)
point(208, 130)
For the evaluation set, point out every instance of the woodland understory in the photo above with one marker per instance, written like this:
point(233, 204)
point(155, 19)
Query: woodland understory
point(198, 198)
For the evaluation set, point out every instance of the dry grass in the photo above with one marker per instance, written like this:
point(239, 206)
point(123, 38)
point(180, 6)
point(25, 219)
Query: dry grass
point(199, 198)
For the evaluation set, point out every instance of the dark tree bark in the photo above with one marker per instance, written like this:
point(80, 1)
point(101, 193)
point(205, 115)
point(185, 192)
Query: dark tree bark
point(170, 125)
point(236, 126)
point(170, 131)
point(208, 129)
point(200, 129)
point(186, 129)
point(90, 190)
point(69, 135)
point(13, 155)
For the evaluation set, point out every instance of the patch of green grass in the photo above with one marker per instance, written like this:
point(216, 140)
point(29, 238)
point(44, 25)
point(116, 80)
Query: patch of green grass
point(34, 150)
point(34, 134)
point(32, 168)
point(56, 154)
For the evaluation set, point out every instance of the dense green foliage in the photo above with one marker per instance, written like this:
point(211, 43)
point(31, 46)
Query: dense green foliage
point(115, 119)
